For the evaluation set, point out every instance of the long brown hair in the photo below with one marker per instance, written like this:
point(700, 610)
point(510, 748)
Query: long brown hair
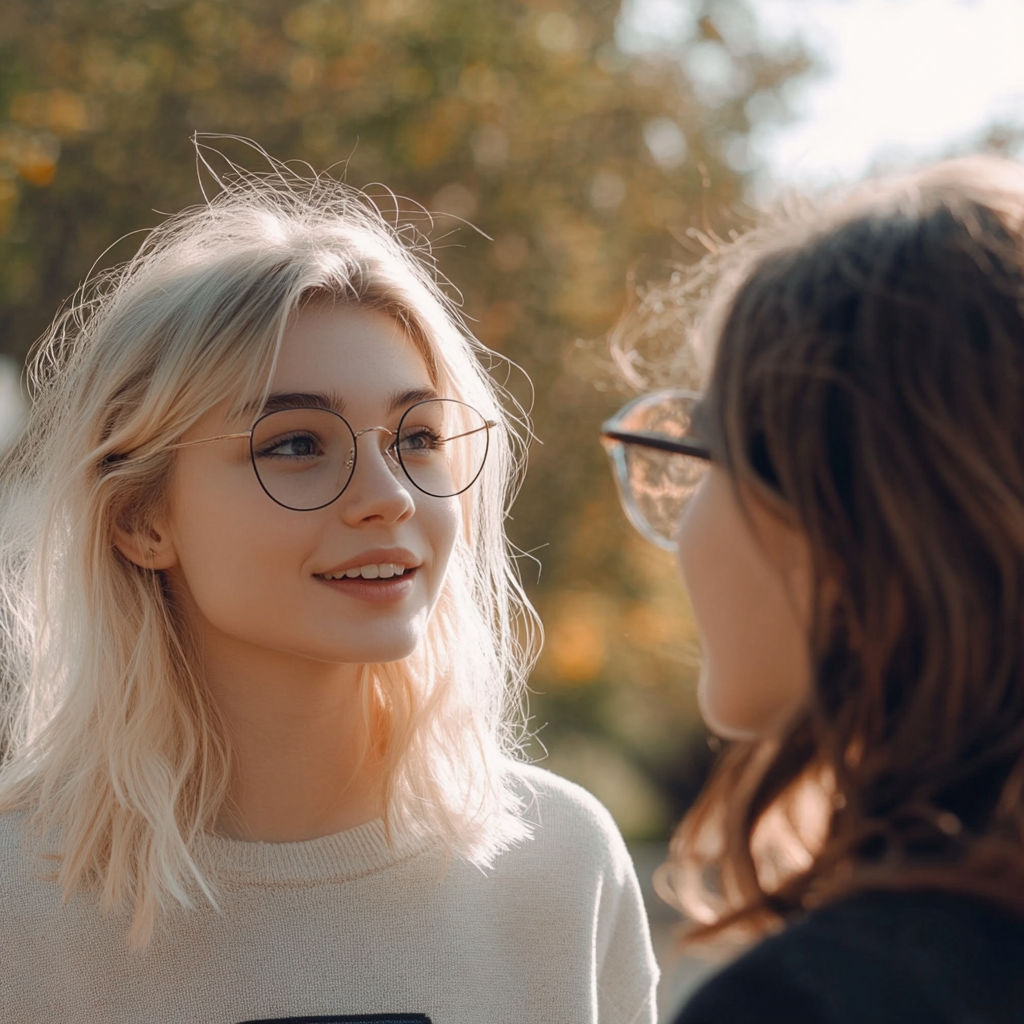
point(868, 383)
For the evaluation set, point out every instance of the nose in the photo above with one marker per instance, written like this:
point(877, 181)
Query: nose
point(378, 490)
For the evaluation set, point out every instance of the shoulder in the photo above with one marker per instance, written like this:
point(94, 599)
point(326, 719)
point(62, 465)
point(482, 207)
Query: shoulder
point(577, 874)
point(562, 814)
point(800, 974)
point(24, 885)
point(572, 841)
point(574, 852)
point(881, 957)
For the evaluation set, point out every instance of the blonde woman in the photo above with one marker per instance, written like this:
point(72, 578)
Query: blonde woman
point(264, 642)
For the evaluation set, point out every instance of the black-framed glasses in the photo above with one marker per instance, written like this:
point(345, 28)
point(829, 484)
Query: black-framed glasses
point(657, 463)
point(305, 458)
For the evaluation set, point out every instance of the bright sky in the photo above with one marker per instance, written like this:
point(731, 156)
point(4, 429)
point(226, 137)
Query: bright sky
point(902, 80)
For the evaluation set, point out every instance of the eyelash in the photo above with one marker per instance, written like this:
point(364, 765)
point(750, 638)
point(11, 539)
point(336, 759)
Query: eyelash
point(269, 450)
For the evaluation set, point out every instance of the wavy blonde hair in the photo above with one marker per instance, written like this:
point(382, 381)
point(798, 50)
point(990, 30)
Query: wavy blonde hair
point(113, 743)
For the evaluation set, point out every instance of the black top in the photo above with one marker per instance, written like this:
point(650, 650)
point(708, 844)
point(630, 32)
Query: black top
point(880, 958)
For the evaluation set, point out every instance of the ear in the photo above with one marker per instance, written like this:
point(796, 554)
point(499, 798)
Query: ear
point(149, 546)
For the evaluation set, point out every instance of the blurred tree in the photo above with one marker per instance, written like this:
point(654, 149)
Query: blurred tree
point(577, 159)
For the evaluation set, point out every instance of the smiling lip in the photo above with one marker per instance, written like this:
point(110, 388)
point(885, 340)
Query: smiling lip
point(383, 589)
point(379, 591)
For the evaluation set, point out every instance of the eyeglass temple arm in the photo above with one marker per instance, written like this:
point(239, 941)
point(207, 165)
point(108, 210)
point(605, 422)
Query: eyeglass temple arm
point(476, 430)
point(684, 446)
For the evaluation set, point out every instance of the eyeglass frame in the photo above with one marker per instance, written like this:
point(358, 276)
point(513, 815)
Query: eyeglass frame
point(610, 431)
point(354, 457)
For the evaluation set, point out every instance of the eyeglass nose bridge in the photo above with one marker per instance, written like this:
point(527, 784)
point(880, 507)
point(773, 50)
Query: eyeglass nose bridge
point(356, 434)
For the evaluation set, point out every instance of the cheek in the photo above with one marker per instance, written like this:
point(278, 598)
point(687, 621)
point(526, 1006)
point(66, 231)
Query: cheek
point(441, 524)
point(234, 557)
point(756, 665)
point(701, 558)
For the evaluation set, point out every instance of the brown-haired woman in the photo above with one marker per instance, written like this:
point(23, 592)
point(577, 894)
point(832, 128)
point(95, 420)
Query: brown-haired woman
point(847, 503)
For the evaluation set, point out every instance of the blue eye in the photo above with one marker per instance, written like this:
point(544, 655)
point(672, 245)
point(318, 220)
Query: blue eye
point(419, 439)
point(295, 446)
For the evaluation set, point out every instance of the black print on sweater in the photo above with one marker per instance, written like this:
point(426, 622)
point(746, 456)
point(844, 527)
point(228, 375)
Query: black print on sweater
point(359, 1018)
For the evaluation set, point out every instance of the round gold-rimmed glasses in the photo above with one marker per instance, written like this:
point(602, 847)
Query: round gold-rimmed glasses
point(304, 458)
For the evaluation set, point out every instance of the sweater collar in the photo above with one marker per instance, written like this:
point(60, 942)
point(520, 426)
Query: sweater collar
point(342, 857)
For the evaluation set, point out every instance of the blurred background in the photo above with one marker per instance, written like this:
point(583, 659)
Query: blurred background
point(589, 141)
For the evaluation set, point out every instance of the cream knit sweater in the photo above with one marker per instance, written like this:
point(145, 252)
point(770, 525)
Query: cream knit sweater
point(347, 928)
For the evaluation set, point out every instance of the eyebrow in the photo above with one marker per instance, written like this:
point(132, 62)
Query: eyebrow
point(295, 400)
point(333, 402)
point(403, 399)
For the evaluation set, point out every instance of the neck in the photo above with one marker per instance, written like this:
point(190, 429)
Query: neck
point(303, 757)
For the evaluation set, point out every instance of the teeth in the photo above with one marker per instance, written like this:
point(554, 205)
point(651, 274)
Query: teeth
point(384, 571)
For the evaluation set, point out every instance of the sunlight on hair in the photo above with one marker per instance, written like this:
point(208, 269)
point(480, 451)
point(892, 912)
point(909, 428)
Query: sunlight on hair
point(114, 744)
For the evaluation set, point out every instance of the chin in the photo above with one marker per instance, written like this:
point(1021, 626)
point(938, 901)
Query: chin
point(725, 721)
point(389, 655)
point(380, 650)
point(739, 720)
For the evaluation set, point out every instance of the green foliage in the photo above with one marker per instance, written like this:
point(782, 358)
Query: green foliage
point(523, 116)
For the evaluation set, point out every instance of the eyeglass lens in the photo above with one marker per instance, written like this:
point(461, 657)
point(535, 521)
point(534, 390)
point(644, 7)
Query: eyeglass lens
point(661, 483)
point(305, 458)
